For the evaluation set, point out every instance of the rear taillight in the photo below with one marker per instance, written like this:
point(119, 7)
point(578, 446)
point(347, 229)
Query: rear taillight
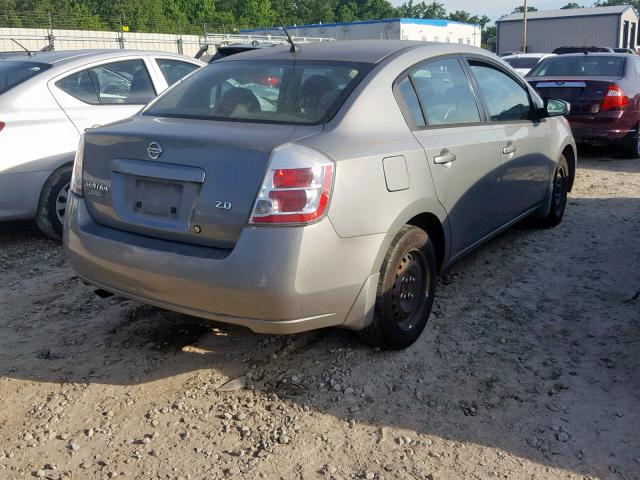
point(76, 174)
point(270, 81)
point(296, 188)
point(614, 99)
point(2, 125)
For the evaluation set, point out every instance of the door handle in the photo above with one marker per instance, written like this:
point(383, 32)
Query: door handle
point(509, 149)
point(444, 159)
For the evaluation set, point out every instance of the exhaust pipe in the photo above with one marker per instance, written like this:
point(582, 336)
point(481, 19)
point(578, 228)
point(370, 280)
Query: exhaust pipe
point(102, 293)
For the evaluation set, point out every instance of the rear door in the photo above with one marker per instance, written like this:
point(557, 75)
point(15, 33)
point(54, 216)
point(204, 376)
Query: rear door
point(105, 92)
point(525, 162)
point(461, 148)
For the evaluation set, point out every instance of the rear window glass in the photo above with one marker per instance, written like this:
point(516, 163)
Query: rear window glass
point(12, 73)
point(520, 62)
point(291, 92)
point(580, 66)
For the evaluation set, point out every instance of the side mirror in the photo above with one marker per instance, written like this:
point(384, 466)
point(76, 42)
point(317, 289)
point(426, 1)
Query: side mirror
point(557, 108)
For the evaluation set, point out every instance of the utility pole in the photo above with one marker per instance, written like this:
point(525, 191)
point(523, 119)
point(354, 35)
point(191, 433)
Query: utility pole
point(524, 28)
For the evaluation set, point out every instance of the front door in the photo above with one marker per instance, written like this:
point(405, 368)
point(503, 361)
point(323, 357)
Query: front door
point(525, 163)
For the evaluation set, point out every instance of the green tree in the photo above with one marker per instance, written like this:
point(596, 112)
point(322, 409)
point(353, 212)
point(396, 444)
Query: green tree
point(613, 3)
point(316, 11)
point(466, 17)
point(422, 10)
point(571, 5)
point(520, 9)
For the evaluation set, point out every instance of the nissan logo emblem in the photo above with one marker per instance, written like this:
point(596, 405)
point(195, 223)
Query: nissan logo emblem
point(154, 150)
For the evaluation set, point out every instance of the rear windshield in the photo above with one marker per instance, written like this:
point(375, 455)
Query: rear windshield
point(290, 92)
point(522, 62)
point(12, 73)
point(580, 66)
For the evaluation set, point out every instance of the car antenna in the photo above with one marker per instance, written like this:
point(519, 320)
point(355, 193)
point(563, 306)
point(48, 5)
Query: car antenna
point(294, 48)
point(29, 52)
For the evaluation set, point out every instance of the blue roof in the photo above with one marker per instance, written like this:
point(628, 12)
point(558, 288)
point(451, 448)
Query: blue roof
point(415, 21)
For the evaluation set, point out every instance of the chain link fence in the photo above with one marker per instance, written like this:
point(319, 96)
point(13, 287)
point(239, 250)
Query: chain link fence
point(42, 31)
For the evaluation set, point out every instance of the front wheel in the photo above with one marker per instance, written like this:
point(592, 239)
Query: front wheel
point(53, 203)
point(405, 291)
point(558, 194)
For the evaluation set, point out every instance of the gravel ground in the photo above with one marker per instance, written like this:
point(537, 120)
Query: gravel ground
point(529, 368)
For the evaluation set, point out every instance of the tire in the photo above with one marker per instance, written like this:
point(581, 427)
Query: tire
point(53, 201)
point(405, 291)
point(561, 182)
point(632, 148)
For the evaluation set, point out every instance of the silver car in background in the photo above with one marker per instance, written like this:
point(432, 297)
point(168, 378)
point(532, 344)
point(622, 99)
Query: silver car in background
point(524, 62)
point(47, 100)
point(292, 190)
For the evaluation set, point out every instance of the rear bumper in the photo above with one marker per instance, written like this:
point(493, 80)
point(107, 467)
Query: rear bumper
point(275, 280)
point(595, 130)
point(19, 194)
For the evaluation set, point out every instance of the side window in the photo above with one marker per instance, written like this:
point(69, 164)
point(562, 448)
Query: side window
point(80, 86)
point(505, 98)
point(125, 83)
point(174, 70)
point(445, 93)
point(411, 105)
point(637, 60)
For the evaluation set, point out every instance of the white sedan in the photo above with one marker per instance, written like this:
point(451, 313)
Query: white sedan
point(47, 100)
point(524, 62)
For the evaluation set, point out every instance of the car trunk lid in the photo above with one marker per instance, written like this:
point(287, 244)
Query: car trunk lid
point(585, 94)
point(185, 180)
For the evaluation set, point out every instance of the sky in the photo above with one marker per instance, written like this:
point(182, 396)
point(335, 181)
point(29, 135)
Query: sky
point(494, 9)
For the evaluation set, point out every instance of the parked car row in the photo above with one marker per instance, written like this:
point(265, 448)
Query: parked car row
point(48, 100)
point(524, 62)
point(291, 189)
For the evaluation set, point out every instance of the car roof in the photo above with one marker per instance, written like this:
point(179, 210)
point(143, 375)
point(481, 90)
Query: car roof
point(64, 57)
point(529, 55)
point(594, 54)
point(365, 51)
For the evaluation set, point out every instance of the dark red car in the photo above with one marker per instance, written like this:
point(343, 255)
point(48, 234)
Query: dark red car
point(604, 92)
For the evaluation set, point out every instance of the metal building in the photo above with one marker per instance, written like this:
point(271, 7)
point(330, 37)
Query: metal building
point(615, 27)
point(388, 29)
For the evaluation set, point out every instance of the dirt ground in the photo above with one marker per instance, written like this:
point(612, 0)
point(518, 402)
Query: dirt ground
point(528, 369)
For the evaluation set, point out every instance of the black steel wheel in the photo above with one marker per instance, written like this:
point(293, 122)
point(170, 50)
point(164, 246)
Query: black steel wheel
point(405, 291)
point(632, 148)
point(53, 203)
point(559, 194)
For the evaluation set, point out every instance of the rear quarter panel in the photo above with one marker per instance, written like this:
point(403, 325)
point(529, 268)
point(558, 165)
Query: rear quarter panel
point(38, 135)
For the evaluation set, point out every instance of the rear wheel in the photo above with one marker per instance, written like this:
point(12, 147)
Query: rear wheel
point(558, 194)
point(53, 203)
point(632, 148)
point(405, 291)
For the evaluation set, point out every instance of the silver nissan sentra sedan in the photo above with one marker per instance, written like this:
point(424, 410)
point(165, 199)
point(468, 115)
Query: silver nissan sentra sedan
point(293, 190)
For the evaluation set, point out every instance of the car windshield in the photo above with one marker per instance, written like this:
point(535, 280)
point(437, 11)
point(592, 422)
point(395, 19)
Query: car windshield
point(291, 92)
point(580, 66)
point(12, 73)
point(522, 62)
